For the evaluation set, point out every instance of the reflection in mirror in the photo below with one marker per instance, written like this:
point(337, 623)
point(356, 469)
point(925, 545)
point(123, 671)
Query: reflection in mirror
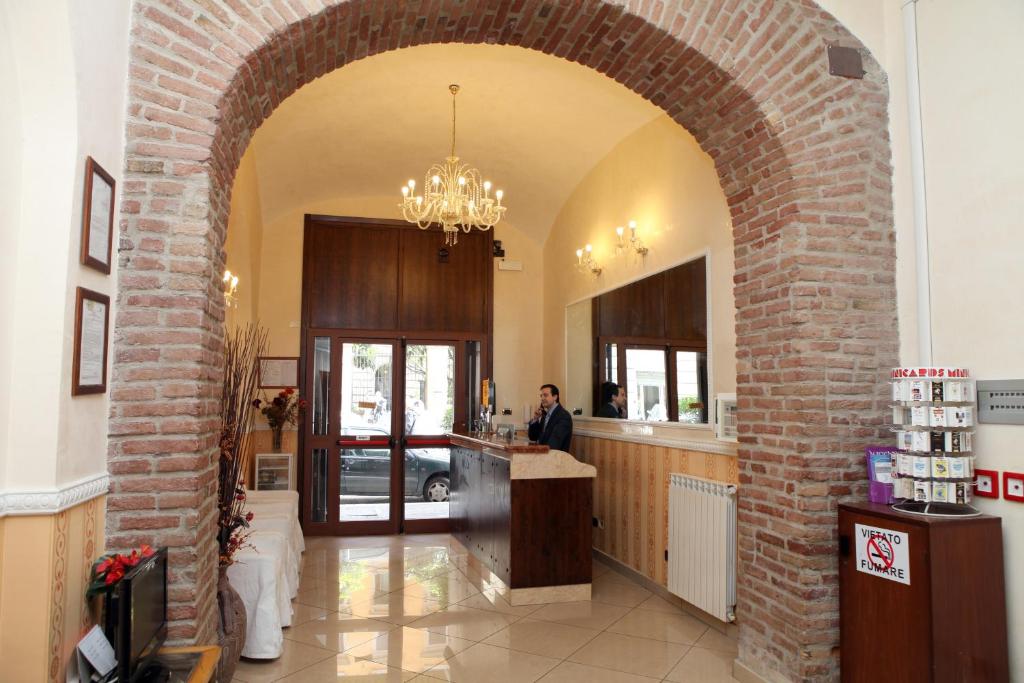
point(650, 338)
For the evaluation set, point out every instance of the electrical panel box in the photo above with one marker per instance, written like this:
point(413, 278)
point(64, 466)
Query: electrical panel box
point(1001, 401)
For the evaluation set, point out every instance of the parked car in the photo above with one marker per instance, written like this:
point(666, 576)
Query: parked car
point(367, 471)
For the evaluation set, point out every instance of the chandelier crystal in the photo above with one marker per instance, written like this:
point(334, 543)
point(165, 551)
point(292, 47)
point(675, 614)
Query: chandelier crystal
point(454, 195)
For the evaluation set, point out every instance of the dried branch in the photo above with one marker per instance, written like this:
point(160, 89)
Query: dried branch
point(242, 349)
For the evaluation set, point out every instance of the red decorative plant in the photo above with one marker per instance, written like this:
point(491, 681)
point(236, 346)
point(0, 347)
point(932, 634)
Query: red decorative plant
point(111, 568)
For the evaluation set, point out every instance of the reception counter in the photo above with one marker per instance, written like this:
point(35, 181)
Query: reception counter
point(525, 513)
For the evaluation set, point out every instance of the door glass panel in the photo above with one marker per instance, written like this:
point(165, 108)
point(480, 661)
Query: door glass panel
point(427, 483)
point(429, 411)
point(473, 376)
point(319, 495)
point(366, 389)
point(611, 363)
point(429, 389)
point(321, 384)
point(688, 387)
point(365, 483)
point(646, 388)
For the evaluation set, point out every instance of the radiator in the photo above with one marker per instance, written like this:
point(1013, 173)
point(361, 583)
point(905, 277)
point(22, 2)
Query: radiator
point(702, 544)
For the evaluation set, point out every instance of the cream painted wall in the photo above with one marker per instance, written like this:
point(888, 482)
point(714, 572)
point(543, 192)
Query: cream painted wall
point(276, 293)
point(660, 177)
point(10, 215)
point(244, 245)
point(101, 70)
point(972, 98)
point(70, 91)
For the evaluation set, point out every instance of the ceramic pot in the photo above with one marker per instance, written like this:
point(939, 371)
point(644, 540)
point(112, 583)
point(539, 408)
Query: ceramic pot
point(232, 625)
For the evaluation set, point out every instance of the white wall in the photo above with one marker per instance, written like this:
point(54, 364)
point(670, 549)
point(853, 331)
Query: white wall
point(10, 213)
point(972, 88)
point(68, 62)
point(972, 98)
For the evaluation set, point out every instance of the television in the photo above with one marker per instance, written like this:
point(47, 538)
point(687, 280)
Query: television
point(136, 617)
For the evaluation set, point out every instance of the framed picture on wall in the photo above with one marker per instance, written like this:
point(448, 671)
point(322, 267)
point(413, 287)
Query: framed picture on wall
point(278, 372)
point(92, 325)
point(97, 217)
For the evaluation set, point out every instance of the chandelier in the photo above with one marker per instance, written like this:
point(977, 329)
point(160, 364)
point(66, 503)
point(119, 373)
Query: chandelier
point(454, 195)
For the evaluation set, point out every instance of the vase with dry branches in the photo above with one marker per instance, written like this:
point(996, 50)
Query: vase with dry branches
point(242, 349)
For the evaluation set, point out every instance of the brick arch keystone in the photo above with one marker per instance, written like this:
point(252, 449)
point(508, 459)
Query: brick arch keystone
point(803, 158)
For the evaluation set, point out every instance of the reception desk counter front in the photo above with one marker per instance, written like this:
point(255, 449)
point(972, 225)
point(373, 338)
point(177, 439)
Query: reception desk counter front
point(524, 512)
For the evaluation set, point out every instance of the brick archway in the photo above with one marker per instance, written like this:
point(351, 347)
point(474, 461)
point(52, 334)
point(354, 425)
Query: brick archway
point(803, 158)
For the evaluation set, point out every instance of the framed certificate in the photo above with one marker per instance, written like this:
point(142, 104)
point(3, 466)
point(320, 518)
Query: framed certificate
point(97, 217)
point(277, 372)
point(89, 367)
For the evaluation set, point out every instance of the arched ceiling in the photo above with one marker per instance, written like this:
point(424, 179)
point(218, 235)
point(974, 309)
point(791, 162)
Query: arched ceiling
point(532, 123)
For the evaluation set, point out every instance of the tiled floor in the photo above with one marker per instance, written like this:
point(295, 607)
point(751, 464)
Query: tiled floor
point(418, 608)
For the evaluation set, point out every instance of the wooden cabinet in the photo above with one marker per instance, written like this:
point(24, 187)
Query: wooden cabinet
point(943, 620)
point(529, 532)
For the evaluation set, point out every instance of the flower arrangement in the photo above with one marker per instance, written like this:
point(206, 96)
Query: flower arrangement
point(283, 409)
point(112, 567)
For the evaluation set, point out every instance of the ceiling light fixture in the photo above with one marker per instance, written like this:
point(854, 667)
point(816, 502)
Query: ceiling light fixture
point(454, 196)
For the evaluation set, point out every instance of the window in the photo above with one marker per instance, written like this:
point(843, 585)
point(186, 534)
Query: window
point(646, 385)
point(662, 383)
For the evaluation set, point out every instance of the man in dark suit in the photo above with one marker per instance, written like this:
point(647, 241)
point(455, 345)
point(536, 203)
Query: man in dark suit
point(551, 424)
point(612, 400)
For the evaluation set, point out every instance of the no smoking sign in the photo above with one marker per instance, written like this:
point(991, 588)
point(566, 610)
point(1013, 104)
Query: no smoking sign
point(883, 553)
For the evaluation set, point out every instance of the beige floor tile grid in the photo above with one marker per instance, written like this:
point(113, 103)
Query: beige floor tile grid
point(473, 635)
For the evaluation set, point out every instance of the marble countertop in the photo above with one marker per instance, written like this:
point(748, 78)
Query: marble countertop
point(529, 461)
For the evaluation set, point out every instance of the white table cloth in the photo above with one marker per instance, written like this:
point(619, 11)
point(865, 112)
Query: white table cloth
point(288, 527)
point(257, 577)
point(266, 575)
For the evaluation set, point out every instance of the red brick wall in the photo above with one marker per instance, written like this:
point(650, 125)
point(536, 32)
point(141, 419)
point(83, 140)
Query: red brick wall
point(803, 158)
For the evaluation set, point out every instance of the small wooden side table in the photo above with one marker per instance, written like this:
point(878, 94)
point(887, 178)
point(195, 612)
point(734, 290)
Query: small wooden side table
point(205, 669)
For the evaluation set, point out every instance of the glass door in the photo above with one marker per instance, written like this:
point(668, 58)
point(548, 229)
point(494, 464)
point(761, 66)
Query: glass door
point(377, 460)
point(430, 411)
point(352, 437)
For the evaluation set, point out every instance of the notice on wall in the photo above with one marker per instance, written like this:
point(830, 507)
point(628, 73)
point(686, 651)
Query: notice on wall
point(883, 553)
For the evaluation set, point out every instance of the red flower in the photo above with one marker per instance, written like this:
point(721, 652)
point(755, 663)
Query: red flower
point(147, 551)
point(114, 575)
point(288, 392)
point(249, 516)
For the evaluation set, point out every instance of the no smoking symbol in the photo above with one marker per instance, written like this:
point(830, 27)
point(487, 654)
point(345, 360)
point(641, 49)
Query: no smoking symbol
point(880, 553)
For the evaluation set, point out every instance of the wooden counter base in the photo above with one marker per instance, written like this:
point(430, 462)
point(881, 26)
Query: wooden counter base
point(533, 533)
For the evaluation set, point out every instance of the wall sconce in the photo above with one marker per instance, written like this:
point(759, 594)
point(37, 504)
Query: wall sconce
point(230, 289)
point(585, 261)
point(634, 242)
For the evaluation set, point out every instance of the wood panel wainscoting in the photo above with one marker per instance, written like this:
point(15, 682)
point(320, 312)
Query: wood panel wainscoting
point(49, 559)
point(631, 496)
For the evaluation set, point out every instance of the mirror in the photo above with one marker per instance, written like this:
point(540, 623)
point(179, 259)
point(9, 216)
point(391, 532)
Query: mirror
point(649, 338)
